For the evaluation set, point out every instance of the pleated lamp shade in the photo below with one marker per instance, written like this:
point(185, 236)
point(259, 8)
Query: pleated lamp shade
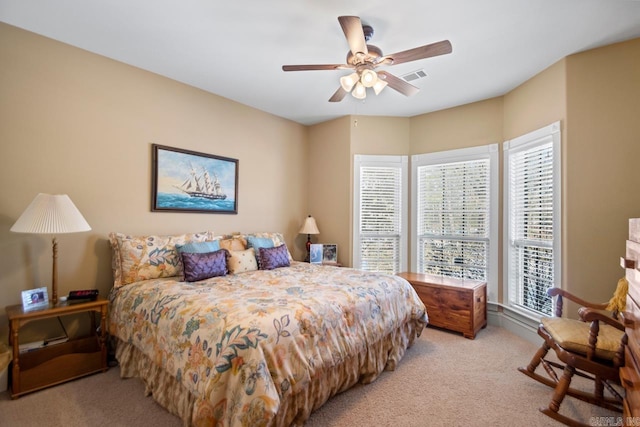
point(51, 214)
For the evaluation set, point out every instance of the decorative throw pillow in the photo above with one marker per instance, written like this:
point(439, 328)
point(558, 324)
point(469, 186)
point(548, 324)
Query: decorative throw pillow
point(271, 258)
point(275, 237)
point(259, 242)
point(203, 265)
point(235, 242)
point(241, 261)
point(136, 258)
point(199, 247)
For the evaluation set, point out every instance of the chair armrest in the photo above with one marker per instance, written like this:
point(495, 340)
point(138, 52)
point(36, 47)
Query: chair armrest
point(589, 315)
point(595, 317)
point(561, 293)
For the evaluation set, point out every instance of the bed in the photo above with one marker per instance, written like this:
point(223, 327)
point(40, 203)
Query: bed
point(255, 346)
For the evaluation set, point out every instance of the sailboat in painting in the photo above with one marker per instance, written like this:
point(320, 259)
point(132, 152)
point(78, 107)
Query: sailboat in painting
point(201, 185)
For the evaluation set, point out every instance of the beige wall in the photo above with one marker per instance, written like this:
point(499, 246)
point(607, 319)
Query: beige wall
point(328, 184)
point(601, 171)
point(388, 136)
point(78, 123)
point(536, 103)
point(471, 125)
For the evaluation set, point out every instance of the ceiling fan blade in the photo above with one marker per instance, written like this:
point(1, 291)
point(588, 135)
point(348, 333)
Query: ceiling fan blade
point(339, 95)
point(352, 28)
point(398, 84)
point(426, 51)
point(315, 67)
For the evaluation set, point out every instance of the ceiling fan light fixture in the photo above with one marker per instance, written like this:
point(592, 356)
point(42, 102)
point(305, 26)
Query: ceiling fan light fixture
point(347, 82)
point(368, 78)
point(359, 92)
point(379, 85)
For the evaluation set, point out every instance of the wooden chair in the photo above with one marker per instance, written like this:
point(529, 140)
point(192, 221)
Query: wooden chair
point(592, 347)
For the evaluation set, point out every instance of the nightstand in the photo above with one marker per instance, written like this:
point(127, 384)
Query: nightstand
point(54, 364)
point(332, 264)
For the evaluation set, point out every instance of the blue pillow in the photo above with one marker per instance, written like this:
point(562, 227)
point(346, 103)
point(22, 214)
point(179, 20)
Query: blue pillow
point(199, 247)
point(257, 243)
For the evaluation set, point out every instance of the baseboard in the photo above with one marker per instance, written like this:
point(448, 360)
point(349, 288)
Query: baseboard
point(513, 322)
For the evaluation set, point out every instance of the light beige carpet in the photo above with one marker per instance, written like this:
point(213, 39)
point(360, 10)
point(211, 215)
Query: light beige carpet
point(443, 380)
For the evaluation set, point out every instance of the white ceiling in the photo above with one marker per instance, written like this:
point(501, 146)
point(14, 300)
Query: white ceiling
point(236, 49)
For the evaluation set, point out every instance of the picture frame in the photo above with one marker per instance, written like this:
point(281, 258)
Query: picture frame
point(34, 299)
point(329, 253)
point(190, 181)
point(315, 253)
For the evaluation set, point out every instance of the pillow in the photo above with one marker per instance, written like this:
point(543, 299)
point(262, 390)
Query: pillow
point(275, 237)
point(203, 265)
point(242, 261)
point(257, 243)
point(136, 258)
point(271, 258)
point(199, 247)
point(233, 243)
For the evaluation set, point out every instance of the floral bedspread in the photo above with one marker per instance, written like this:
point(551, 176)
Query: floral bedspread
point(241, 343)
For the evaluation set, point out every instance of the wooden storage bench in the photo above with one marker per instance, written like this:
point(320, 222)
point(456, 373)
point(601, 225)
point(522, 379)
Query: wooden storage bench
point(456, 304)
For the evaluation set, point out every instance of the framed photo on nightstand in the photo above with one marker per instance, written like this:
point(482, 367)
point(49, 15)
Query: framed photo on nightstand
point(329, 253)
point(315, 253)
point(34, 299)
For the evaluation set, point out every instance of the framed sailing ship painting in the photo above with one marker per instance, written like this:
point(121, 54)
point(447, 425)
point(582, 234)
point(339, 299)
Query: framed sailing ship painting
point(188, 181)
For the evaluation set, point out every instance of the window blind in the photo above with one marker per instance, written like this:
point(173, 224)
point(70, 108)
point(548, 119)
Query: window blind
point(454, 218)
point(533, 219)
point(380, 213)
point(380, 218)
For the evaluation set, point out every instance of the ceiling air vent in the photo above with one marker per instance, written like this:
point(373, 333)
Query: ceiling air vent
point(414, 75)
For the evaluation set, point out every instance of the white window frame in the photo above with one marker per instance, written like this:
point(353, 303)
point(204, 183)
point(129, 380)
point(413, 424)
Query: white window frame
point(401, 162)
point(550, 133)
point(490, 152)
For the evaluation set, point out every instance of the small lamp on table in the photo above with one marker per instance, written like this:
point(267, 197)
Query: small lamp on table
point(309, 227)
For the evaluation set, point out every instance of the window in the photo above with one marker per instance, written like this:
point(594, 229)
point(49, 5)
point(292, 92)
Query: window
point(455, 202)
point(380, 211)
point(532, 219)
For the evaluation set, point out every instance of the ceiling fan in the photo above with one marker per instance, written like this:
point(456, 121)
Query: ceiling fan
point(364, 58)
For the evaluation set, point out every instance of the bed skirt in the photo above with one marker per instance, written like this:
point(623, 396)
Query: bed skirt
point(294, 409)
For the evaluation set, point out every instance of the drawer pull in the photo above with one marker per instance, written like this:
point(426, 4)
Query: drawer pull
point(627, 263)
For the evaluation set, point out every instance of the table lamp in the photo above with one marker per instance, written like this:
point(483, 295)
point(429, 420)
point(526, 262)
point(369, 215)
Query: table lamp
point(51, 214)
point(309, 227)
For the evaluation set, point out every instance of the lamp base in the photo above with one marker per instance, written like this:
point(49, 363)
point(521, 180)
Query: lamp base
point(54, 272)
point(308, 257)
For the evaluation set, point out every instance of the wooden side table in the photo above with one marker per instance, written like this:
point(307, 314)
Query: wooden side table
point(455, 304)
point(55, 364)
